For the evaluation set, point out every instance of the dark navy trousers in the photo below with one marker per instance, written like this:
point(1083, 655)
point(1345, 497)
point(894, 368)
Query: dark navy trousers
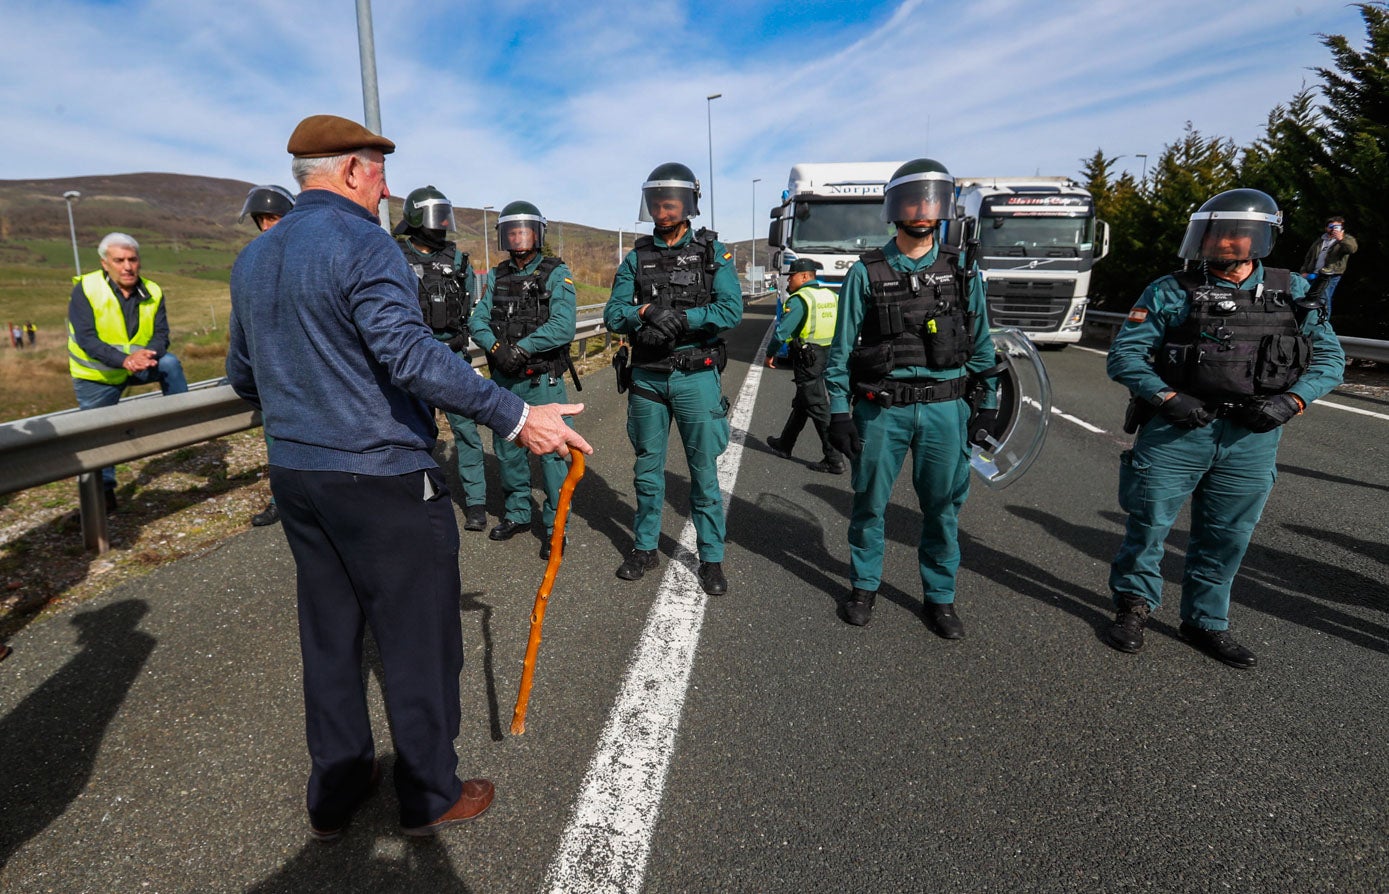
point(379, 552)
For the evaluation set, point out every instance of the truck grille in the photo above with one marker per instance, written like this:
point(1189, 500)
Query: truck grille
point(1039, 305)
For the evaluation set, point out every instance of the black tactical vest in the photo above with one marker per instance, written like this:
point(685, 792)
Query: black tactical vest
point(913, 319)
point(1235, 343)
point(521, 301)
point(677, 278)
point(443, 299)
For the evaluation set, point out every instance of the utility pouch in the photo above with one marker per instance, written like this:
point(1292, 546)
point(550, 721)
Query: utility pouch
point(869, 364)
point(1281, 360)
point(890, 320)
point(808, 355)
point(947, 341)
point(622, 367)
point(873, 394)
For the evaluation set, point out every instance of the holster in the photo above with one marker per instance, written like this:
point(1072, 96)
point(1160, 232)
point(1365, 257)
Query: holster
point(622, 366)
point(1138, 413)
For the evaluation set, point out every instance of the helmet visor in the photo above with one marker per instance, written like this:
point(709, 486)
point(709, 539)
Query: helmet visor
point(929, 195)
point(432, 213)
point(520, 233)
point(1229, 235)
point(662, 199)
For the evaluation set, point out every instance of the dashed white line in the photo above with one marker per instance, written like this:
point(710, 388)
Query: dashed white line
point(608, 840)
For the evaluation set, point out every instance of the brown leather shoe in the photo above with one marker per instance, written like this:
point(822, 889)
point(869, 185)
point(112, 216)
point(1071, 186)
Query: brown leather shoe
point(334, 834)
point(476, 798)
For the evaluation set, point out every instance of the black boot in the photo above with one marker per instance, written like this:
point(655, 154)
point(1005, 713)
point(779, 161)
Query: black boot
point(267, 516)
point(474, 518)
point(941, 618)
point(779, 447)
point(1126, 633)
point(859, 609)
point(637, 563)
point(1218, 644)
point(508, 529)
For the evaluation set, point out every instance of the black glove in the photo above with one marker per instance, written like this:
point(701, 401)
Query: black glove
point(1268, 414)
point(661, 326)
point(1185, 411)
point(458, 343)
point(508, 359)
point(843, 435)
point(981, 426)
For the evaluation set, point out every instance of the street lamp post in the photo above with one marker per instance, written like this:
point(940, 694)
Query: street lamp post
point(371, 99)
point(1144, 156)
point(71, 197)
point(486, 244)
point(755, 181)
point(709, 121)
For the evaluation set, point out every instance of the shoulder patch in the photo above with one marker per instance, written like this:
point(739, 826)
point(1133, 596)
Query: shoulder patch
point(727, 255)
point(568, 280)
point(1138, 314)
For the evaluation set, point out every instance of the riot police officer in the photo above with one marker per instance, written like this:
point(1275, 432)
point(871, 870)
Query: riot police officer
point(266, 205)
point(672, 295)
point(525, 323)
point(446, 294)
point(807, 323)
point(912, 326)
point(1236, 351)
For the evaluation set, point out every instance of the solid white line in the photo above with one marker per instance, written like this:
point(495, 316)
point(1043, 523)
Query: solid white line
point(1067, 416)
point(1327, 403)
point(607, 843)
point(1091, 350)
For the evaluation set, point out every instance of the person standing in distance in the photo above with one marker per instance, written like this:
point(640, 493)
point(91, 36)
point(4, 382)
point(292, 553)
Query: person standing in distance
point(808, 318)
point(912, 327)
point(525, 322)
point(327, 339)
point(672, 295)
point(1236, 352)
point(118, 335)
point(446, 297)
point(266, 205)
point(1326, 260)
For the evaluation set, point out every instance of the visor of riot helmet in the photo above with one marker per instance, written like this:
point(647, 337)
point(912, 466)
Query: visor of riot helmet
point(1230, 235)
point(656, 193)
point(433, 213)
point(927, 195)
point(521, 233)
point(268, 199)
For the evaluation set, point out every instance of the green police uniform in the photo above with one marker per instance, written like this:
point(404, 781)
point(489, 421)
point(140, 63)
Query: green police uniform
point(1227, 469)
point(934, 432)
point(544, 386)
point(467, 442)
point(808, 318)
point(692, 397)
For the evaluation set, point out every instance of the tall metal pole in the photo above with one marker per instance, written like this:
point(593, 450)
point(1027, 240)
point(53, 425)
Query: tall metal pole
point(486, 243)
point(371, 100)
point(71, 197)
point(619, 245)
point(755, 181)
point(709, 121)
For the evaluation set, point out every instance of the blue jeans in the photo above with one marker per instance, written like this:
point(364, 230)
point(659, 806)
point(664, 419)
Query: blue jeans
point(90, 395)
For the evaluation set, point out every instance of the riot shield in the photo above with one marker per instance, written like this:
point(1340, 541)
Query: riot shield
point(1024, 410)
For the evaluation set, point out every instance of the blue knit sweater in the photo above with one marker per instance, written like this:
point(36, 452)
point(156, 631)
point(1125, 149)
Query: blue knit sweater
point(328, 340)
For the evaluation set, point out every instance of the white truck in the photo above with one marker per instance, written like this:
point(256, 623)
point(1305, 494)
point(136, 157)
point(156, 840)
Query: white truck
point(831, 213)
point(1037, 240)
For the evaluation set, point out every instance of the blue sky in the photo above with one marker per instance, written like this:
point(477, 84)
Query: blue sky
point(569, 104)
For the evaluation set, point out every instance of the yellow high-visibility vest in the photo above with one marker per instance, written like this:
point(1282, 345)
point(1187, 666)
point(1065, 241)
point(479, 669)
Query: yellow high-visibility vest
point(821, 312)
point(110, 328)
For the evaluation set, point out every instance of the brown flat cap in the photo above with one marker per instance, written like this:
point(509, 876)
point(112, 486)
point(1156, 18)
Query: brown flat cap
point(320, 136)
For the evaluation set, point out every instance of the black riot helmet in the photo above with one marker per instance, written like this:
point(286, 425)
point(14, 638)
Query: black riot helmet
point(1235, 226)
point(269, 199)
point(921, 189)
point(428, 209)
point(671, 180)
point(517, 220)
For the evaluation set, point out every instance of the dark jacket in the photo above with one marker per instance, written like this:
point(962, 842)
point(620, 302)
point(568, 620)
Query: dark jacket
point(1336, 258)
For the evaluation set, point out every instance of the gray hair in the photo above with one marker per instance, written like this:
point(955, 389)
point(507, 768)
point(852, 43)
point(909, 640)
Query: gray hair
point(306, 168)
point(122, 239)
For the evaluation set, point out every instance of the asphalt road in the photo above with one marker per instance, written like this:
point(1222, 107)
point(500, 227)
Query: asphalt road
point(152, 739)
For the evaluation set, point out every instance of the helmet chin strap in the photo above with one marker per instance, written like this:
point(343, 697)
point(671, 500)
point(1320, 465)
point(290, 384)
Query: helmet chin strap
point(915, 232)
point(434, 240)
point(1224, 266)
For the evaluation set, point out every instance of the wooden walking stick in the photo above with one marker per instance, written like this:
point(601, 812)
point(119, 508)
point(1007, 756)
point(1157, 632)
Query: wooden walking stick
point(542, 596)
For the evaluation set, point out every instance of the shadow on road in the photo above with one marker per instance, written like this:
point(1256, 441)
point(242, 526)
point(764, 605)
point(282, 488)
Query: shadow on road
point(361, 862)
point(51, 739)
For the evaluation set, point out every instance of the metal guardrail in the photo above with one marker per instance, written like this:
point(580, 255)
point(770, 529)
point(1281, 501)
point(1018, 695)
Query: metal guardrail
point(1355, 348)
point(42, 449)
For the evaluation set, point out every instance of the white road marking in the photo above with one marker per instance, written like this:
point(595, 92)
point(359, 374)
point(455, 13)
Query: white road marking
point(1327, 403)
point(607, 843)
point(1091, 350)
point(1068, 417)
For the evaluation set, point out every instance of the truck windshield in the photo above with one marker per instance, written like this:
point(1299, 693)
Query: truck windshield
point(1037, 236)
point(838, 226)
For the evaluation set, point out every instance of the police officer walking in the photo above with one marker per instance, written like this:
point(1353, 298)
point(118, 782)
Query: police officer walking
point(808, 317)
point(266, 205)
point(912, 326)
point(1238, 351)
point(673, 294)
point(446, 295)
point(525, 322)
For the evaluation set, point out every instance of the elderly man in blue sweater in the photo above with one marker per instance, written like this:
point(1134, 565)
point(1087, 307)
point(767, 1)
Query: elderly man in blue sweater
point(328, 341)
